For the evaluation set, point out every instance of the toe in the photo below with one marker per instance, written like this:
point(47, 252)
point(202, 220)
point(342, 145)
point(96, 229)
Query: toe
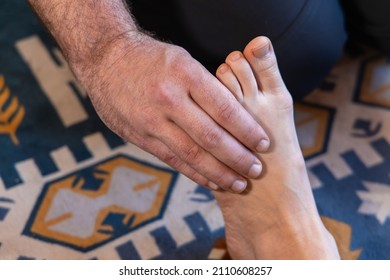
point(227, 77)
point(244, 74)
point(261, 57)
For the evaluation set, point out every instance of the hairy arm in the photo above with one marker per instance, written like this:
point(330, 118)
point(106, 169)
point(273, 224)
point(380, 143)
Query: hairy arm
point(85, 29)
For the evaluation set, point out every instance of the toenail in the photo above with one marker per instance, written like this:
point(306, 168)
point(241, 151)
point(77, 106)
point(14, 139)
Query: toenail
point(239, 186)
point(223, 69)
point(213, 186)
point(235, 56)
point(263, 146)
point(261, 51)
point(255, 171)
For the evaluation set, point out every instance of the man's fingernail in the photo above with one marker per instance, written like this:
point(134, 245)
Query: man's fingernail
point(263, 146)
point(213, 186)
point(261, 51)
point(239, 186)
point(255, 171)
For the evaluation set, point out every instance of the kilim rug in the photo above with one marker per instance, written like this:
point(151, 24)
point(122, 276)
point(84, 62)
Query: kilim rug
point(68, 186)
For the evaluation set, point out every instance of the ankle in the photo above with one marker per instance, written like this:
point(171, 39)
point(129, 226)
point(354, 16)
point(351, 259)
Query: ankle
point(300, 240)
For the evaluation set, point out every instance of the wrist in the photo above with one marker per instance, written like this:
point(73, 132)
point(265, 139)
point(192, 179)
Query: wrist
point(96, 61)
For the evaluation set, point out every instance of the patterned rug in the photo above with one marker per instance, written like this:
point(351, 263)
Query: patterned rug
point(70, 189)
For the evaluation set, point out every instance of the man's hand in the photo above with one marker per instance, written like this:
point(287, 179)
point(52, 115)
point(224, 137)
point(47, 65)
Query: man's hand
point(158, 97)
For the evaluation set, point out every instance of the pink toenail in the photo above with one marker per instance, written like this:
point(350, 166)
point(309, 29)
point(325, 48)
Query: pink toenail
point(223, 69)
point(235, 56)
point(261, 51)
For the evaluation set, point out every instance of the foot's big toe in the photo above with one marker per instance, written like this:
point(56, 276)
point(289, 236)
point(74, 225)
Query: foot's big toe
point(260, 55)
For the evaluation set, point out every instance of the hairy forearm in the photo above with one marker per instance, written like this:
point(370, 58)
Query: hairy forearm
point(84, 29)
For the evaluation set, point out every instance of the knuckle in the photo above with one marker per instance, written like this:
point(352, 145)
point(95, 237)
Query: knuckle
point(163, 94)
point(194, 155)
point(178, 66)
point(227, 111)
point(187, 69)
point(221, 180)
point(212, 138)
point(171, 160)
point(179, 60)
point(241, 161)
point(194, 74)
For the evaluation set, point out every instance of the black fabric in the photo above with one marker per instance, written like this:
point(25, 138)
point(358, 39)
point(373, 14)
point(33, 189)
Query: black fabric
point(308, 35)
point(368, 22)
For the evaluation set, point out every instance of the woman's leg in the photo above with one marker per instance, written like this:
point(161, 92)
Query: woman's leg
point(276, 218)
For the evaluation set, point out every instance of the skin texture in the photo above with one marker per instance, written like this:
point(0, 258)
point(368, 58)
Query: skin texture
point(276, 217)
point(155, 95)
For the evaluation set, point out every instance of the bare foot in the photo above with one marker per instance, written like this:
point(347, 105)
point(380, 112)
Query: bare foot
point(276, 218)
